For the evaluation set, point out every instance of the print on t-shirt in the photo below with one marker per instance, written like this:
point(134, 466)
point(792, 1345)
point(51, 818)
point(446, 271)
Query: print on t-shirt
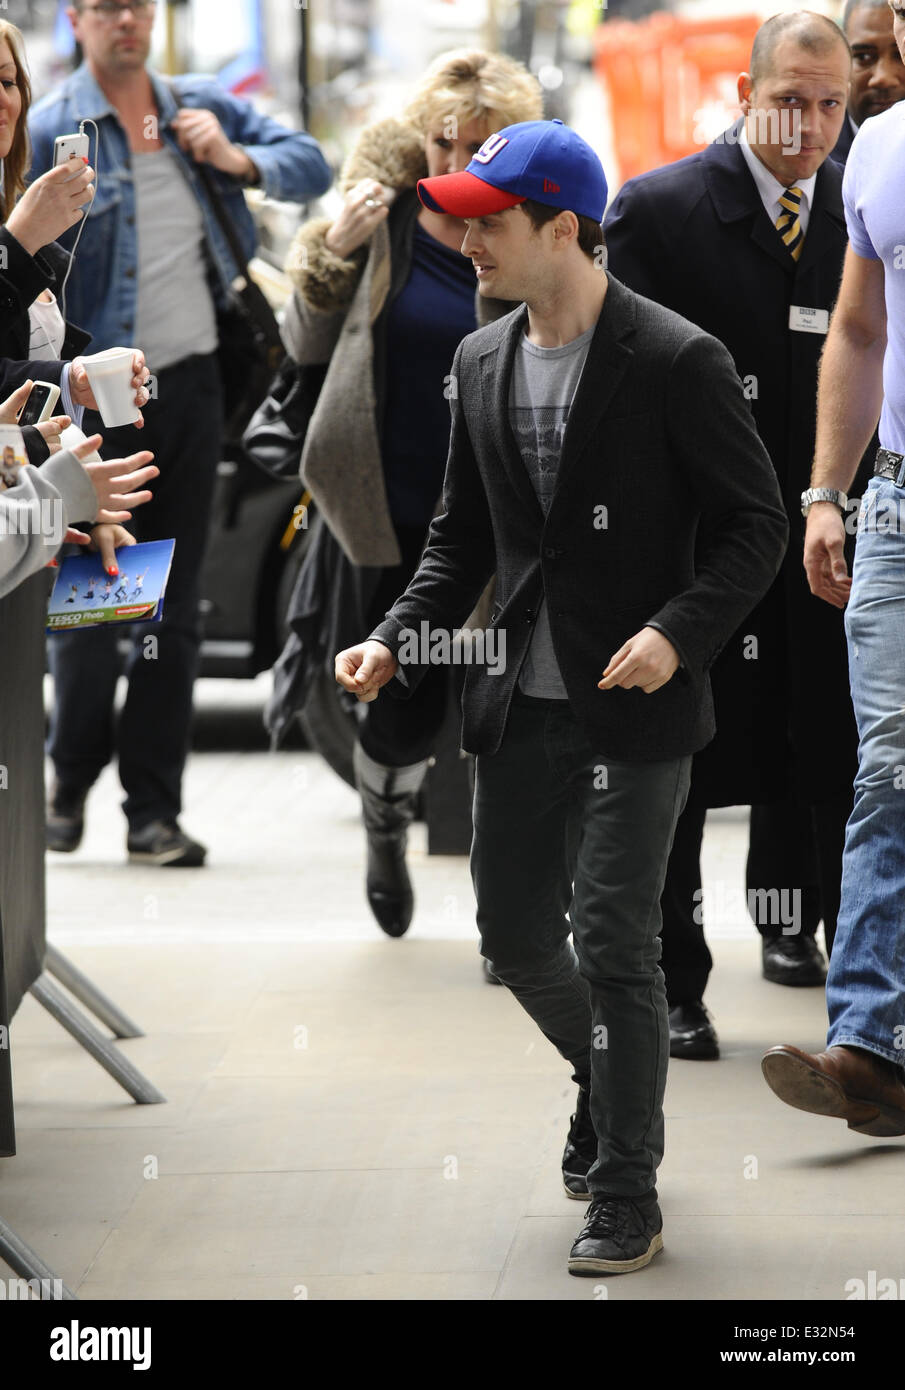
point(544, 382)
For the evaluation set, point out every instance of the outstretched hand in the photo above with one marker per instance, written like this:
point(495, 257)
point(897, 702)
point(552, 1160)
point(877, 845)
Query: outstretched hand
point(111, 481)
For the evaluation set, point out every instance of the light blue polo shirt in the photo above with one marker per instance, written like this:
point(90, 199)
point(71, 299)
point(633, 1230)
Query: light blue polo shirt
point(873, 192)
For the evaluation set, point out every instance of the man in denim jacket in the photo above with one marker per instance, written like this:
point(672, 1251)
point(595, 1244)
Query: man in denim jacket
point(152, 267)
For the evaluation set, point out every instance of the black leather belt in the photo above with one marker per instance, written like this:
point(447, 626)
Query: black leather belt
point(890, 465)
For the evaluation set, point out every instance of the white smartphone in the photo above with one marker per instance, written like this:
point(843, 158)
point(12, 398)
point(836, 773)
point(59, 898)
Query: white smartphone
point(42, 400)
point(70, 147)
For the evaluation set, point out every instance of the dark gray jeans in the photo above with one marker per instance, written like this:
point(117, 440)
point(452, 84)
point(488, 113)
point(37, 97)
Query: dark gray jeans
point(561, 829)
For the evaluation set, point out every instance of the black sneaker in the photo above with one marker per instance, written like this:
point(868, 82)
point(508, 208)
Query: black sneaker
point(65, 822)
point(581, 1149)
point(163, 843)
point(621, 1234)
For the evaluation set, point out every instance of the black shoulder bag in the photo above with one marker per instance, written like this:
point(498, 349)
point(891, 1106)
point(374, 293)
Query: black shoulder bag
point(275, 434)
point(269, 398)
point(250, 347)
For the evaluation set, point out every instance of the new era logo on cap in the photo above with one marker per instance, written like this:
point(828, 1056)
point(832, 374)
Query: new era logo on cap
point(542, 160)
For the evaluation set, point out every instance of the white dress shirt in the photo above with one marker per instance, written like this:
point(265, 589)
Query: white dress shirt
point(771, 190)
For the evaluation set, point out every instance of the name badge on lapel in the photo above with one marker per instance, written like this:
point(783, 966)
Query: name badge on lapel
point(803, 320)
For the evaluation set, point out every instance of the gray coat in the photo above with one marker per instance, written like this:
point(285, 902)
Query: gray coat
point(58, 495)
point(331, 318)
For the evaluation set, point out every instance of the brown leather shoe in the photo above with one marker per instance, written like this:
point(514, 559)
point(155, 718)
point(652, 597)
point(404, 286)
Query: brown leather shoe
point(846, 1082)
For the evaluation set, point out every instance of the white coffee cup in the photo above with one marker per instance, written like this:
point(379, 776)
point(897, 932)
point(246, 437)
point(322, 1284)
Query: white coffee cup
point(110, 377)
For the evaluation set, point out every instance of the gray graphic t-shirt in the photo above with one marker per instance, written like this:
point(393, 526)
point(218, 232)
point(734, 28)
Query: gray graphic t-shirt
point(543, 384)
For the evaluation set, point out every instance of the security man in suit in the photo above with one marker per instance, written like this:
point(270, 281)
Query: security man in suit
point(878, 73)
point(747, 239)
point(593, 434)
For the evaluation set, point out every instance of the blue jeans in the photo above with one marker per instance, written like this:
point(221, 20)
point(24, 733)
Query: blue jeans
point(866, 981)
point(560, 828)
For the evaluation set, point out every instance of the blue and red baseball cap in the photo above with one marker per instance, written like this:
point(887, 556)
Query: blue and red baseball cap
point(546, 161)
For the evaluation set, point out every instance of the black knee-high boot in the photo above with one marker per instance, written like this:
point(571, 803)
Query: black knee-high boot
point(389, 797)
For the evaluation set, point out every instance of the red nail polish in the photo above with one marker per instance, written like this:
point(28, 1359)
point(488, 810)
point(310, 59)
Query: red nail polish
point(113, 569)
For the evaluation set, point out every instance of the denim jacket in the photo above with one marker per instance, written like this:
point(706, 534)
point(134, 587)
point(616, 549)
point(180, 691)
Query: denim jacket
point(103, 290)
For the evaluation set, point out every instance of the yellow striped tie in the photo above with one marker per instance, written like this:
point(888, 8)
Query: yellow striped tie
point(788, 223)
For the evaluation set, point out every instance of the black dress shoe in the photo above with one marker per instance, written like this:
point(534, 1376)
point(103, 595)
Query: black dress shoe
point(621, 1234)
point(488, 973)
point(691, 1033)
point(793, 960)
point(581, 1149)
point(65, 821)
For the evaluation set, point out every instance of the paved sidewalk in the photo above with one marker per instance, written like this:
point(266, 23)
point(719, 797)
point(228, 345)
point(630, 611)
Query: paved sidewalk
point(350, 1117)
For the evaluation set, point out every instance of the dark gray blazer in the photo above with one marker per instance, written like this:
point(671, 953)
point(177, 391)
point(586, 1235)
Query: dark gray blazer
point(660, 435)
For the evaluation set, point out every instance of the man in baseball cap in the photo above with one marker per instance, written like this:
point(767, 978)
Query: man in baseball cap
point(596, 438)
point(541, 160)
point(547, 171)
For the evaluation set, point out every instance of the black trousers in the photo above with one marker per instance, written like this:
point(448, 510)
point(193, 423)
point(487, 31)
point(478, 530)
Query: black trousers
point(560, 827)
point(182, 429)
point(791, 846)
point(396, 732)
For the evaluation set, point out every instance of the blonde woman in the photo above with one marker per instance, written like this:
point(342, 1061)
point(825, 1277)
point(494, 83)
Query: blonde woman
point(384, 295)
point(30, 222)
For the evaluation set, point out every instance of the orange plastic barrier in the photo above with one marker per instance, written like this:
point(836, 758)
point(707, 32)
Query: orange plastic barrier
point(671, 83)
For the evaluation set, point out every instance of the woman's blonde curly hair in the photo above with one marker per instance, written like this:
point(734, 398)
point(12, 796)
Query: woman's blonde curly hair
point(467, 84)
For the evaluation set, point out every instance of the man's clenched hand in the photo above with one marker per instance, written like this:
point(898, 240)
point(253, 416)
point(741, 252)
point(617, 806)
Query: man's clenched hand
point(365, 668)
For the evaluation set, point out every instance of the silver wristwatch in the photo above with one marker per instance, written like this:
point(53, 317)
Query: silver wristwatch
point(823, 494)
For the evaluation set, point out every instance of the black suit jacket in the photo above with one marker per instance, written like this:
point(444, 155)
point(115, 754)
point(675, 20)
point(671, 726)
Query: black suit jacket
point(13, 374)
point(694, 235)
point(659, 434)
